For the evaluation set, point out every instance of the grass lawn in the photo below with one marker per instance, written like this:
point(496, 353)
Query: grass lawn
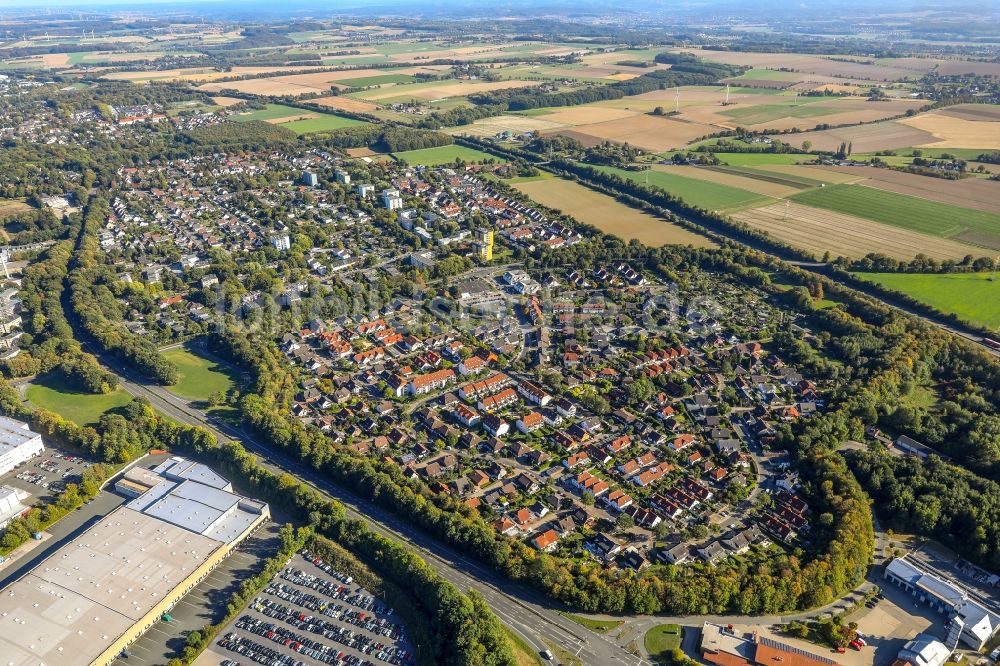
point(324, 123)
point(443, 155)
point(55, 395)
point(929, 217)
point(971, 296)
point(694, 192)
point(598, 626)
point(661, 639)
point(199, 376)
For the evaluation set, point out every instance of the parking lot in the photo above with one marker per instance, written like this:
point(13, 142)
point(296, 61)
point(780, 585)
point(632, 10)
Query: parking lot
point(310, 614)
point(46, 475)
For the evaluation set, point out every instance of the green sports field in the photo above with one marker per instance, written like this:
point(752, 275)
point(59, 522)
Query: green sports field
point(199, 376)
point(929, 217)
point(55, 395)
point(971, 296)
point(443, 155)
point(710, 196)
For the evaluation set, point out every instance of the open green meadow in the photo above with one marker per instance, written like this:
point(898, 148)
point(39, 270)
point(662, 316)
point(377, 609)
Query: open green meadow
point(929, 217)
point(756, 159)
point(270, 112)
point(325, 123)
point(710, 196)
point(52, 393)
point(443, 155)
point(972, 296)
point(199, 377)
point(378, 80)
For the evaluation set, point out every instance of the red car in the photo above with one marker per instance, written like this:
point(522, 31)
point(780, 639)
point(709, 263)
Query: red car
point(856, 644)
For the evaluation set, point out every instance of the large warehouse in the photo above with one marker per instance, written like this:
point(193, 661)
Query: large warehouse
point(17, 444)
point(98, 593)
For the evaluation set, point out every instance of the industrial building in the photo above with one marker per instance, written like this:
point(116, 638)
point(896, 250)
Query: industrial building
point(724, 646)
point(923, 650)
point(11, 504)
point(969, 621)
point(95, 595)
point(18, 444)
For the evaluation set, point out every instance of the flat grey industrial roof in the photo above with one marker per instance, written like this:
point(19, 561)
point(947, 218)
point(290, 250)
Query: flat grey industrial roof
point(14, 433)
point(85, 595)
point(181, 468)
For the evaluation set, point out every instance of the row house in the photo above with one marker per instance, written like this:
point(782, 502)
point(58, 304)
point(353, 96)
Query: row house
point(652, 475)
point(530, 422)
point(498, 401)
point(534, 393)
point(488, 386)
point(586, 482)
point(431, 381)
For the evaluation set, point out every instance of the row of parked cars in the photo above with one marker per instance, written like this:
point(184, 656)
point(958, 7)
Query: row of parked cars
point(321, 652)
point(365, 620)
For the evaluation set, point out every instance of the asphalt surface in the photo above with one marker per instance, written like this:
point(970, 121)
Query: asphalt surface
point(527, 612)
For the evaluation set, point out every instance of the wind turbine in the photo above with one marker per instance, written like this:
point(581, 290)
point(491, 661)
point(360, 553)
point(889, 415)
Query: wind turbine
point(727, 94)
point(677, 99)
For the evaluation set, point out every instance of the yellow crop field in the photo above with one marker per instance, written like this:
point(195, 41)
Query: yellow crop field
point(608, 215)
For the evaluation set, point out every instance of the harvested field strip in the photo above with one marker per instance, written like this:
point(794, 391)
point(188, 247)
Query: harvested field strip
point(922, 215)
point(974, 297)
point(607, 214)
point(795, 184)
point(694, 192)
point(809, 174)
point(732, 178)
point(817, 231)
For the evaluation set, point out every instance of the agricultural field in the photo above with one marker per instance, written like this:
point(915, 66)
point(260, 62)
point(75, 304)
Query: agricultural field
point(975, 297)
point(757, 159)
point(200, 377)
point(730, 177)
point(817, 231)
point(55, 395)
point(965, 225)
point(712, 194)
point(298, 120)
point(979, 194)
point(889, 135)
point(345, 104)
point(516, 124)
point(431, 91)
point(312, 82)
point(652, 133)
point(834, 70)
point(444, 155)
point(607, 214)
point(959, 128)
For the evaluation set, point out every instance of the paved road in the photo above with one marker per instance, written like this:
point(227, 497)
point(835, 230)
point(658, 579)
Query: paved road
point(523, 609)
